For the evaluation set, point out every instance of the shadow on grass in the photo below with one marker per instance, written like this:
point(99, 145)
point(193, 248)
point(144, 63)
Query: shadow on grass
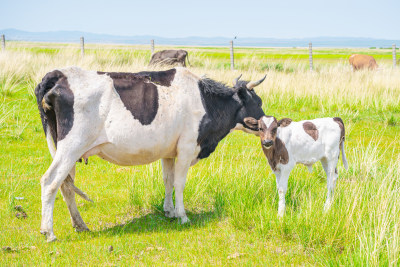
point(155, 221)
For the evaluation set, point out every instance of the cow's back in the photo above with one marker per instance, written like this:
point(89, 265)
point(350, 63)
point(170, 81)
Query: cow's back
point(318, 136)
point(362, 61)
point(178, 111)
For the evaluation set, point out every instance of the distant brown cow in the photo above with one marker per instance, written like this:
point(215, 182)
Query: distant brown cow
point(170, 57)
point(362, 61)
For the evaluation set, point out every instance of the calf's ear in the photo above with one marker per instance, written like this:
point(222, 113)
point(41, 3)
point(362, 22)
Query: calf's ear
point(284, 122)
point(251, 123)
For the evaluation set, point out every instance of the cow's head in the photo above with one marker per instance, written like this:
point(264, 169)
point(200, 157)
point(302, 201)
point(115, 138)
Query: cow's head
point(267, 128)
point(251, 103)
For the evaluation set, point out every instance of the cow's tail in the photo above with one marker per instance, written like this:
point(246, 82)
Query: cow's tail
point(187, 57)
point(344, 160)
point(44, 95)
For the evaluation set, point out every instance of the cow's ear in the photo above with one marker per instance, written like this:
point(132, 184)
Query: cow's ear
point(242, 92)
point(284, 122)
point(251, 123)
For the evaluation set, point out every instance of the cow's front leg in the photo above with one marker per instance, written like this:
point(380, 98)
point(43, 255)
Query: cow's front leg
point(182, 164)
point(168, 168)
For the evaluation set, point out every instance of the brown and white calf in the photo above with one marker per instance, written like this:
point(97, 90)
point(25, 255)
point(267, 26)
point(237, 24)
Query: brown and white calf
point(286, 143)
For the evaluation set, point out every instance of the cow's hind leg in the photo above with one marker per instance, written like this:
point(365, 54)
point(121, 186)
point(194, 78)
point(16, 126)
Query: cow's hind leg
point(50, 183)
point(168, 168)
point(69, 198)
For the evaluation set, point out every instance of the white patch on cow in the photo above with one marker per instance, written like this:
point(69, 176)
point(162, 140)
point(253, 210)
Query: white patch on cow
point(268, 121)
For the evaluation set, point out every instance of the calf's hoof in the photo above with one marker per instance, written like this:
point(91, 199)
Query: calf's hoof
point(184, 220)
point(281, 213)
point(50, 237)
point(169, 213)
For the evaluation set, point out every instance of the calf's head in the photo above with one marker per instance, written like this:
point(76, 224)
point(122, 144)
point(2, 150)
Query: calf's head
point(267, 128)
point(251, 102)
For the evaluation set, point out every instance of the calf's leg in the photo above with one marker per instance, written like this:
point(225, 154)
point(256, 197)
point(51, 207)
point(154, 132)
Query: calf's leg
point(282, 178)
point(330, 167)
point(168, 168)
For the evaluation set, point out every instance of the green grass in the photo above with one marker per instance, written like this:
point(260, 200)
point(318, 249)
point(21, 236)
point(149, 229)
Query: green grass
point(231, 196)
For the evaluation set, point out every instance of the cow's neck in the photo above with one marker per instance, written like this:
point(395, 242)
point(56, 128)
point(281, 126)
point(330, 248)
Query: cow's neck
point(220, 118)
point(276, 154)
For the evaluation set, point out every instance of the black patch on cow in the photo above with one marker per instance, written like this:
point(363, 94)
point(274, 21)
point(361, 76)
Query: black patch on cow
point(138, 94)
point(225, 107)
point(55, 101)
point(163, 78)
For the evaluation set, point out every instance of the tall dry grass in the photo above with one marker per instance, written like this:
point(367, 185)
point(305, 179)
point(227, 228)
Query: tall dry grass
point(235, 182)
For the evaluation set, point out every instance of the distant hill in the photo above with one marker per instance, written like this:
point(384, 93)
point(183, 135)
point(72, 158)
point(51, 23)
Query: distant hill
point(73, 37)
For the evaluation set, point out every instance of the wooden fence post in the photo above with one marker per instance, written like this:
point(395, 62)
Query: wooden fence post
point(152, 46)
point(394, 55)
point(232, 61)
point(310, 55)
point(82, 47)
point(3, 42)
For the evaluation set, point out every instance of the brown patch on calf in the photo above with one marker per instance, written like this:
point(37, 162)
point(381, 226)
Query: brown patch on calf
point(341, 126)
point(284, 122)
point(311, 129)
point(276, 154)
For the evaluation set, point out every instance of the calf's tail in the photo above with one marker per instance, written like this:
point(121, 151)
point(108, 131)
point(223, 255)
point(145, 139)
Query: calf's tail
point(344, 160)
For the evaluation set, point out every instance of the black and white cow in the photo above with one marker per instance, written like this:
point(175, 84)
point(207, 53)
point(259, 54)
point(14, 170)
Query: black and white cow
point(135, 119)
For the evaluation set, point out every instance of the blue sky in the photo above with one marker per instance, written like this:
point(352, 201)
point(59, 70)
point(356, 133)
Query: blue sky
point(208, 18)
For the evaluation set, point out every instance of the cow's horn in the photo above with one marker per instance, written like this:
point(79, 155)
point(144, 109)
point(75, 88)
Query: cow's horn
point(235, 81)
point(251, 85)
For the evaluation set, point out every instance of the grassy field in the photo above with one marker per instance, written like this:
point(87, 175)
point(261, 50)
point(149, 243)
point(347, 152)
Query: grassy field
point(231, 196)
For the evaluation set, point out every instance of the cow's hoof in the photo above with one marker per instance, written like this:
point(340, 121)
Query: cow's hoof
point(184, 220)
point(79, 229)
point(51, 238)
point(169, 214)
